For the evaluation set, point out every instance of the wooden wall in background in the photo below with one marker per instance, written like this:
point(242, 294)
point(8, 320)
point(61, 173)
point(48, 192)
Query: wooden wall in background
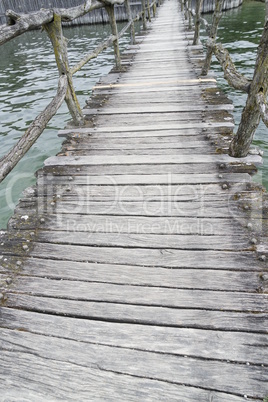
point(95, 16)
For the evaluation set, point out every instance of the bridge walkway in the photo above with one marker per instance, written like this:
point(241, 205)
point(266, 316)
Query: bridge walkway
point(136, 268)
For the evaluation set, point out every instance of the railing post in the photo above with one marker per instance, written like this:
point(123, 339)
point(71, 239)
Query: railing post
point(213, 34)
point(59, 43)
point(149, 11)
point(144, 14)
point(198, 8)
point(190, 13)
point(186, 9)
point(132, 28)
point(251, 113)
point(154, 10)
point(110, 12)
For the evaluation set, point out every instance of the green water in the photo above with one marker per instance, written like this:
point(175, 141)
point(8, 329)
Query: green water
point(28, 79)
point(240, 31)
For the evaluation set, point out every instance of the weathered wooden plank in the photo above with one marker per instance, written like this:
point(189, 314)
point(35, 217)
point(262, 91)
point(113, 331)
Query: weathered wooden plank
point(129, 169)
point(203, 96)
point(142, 133)
point(78, 222)
point(143, 295)
point(171, 101)
point(148, 257)
point(144, 75)
point(203, 100)
point(171, 59)
point(177, 94)
point(131, 79)
point(155, 179)
point(149, 169)
point(155, 54)
point(127, 160)
point(157, 87)
point(164, 367)
point(140, 224)
point(142, 193)
point(45, 379)
point(106, 152)
point(138, 144)
point(149, 315)
point(179, 78)
point(152, 119)
point(205, 207)
point(143, 53)
point(51, 199)
point(177, 242)
point(246, 347)
point(151, 87)
point(167, 47)
point(145, 117)
point(168, 37)
point(155, 108)
point(109, 149)
point(171, 73)
point(137, 149)
point(230, 280)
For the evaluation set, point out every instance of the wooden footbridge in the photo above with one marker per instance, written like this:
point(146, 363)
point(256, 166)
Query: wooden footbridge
point(136, 269)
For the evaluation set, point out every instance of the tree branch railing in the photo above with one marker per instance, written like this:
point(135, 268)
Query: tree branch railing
point(256, 107)
point(51, 20)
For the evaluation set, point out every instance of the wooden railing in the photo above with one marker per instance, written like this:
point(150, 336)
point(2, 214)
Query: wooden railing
point(51, 20)
point(256, 107)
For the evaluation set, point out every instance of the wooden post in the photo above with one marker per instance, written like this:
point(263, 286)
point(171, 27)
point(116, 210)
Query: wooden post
point(251, 113)
point(198, 8)
point(186, 4)
point(213, 34)
point(132, 28)
point(190, 13)
point(144, 14)
point(54, 31)
point(149, 10)
point(110, 12)
point(154, 10)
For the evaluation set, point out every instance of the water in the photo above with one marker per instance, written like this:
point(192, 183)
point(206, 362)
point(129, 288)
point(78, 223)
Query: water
point(240, 31)
point(28, 81)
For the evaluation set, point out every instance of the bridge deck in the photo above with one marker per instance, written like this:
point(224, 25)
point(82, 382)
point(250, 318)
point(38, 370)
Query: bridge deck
point(136, 270)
